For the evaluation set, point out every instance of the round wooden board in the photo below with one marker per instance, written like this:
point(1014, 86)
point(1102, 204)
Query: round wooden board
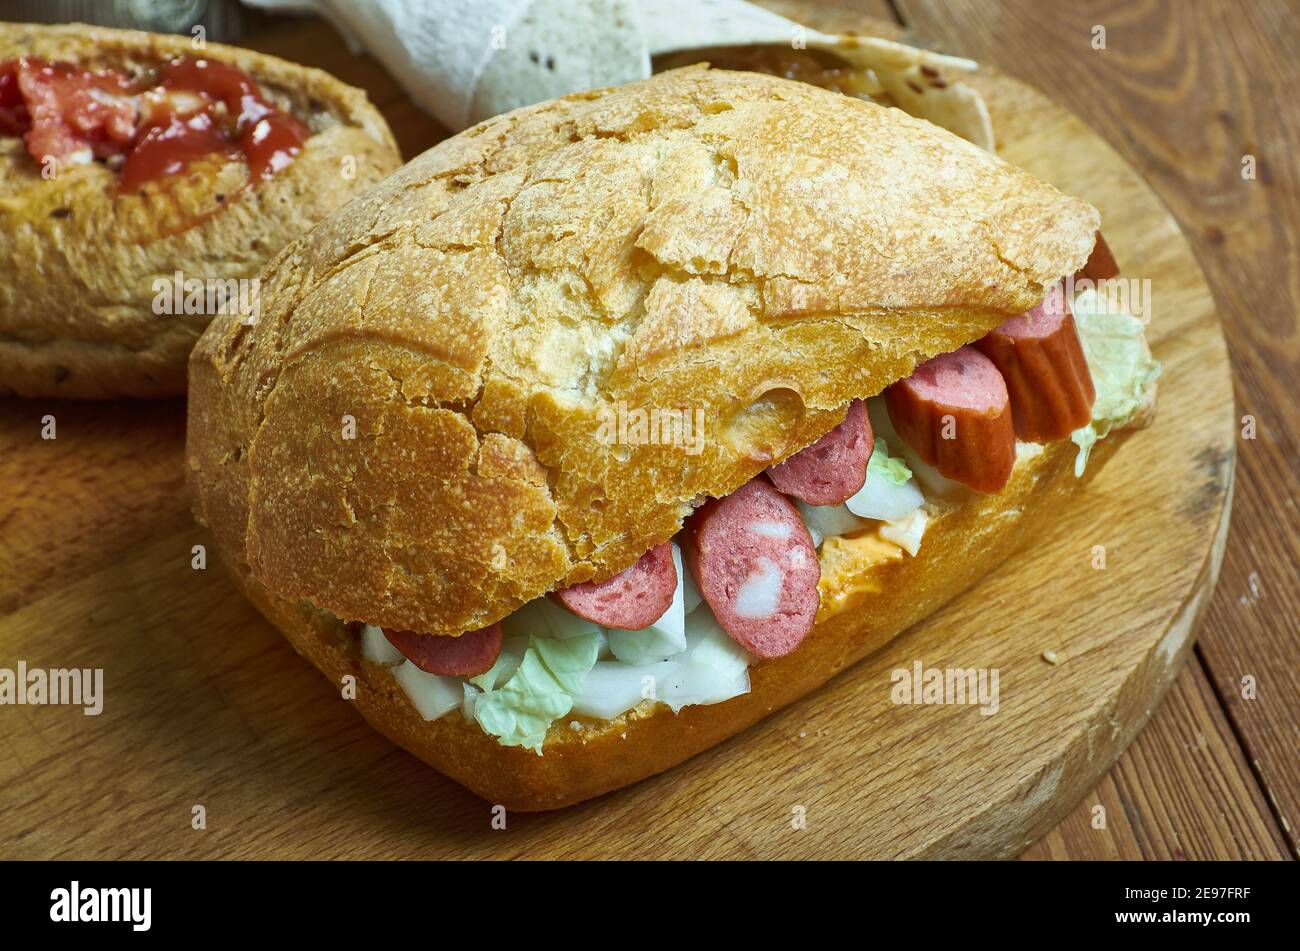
point(206, 705)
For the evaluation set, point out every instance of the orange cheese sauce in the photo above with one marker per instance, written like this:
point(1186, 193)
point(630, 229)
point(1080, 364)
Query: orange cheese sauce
point(850, 569)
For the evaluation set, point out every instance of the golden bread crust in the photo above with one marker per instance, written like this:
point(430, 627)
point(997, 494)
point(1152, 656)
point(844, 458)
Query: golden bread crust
point(972, 535)
point(757, 249)
point(78, 264)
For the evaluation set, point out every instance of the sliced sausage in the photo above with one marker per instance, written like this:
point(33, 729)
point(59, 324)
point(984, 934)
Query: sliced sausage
point(833, 468)
point(468, 655)
point(1101, 264)
point(755, 565)
point(955, 412)
point(1046, 373)
point(631, 600)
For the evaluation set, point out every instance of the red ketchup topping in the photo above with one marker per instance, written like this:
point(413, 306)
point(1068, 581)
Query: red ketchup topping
point(267, 138)
point(14, 120)
point(167, 148)
point(71, 111)
point(198, 107)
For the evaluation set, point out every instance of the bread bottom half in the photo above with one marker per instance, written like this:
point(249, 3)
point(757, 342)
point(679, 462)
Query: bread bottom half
point(970, 537)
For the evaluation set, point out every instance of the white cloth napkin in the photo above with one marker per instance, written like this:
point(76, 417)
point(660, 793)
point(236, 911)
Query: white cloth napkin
point(465, 60)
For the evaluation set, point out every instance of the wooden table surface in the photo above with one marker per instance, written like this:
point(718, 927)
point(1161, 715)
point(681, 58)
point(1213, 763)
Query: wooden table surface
point(1185, 90)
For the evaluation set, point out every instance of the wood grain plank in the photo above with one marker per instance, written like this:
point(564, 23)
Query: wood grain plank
point(111, 477)
point(1182, 790)
point(1184, 91)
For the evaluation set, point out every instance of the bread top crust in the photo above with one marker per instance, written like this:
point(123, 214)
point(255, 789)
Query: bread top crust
point(78, 263)
point(750, 248)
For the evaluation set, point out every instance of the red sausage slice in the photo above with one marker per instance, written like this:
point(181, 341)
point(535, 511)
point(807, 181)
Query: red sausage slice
point(632, 599)
point(1042, 362)
point(1101, 264)
point(955, 412)
point(755, 565)
point(833, 468)
point(466, 656)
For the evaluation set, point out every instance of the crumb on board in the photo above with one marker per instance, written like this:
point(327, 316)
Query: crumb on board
point(1051, 657)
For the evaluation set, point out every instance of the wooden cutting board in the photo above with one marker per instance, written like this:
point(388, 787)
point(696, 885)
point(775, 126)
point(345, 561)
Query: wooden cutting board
point(205, 704)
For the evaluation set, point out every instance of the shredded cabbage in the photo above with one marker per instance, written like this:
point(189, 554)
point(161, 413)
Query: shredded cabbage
point(889, 494)
point(710, 669)
point(884, 466)
point(1121, 365)
point(539, 692)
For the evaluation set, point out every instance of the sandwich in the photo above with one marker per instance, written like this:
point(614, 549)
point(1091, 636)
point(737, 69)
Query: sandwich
point(146, 180)
point(613, 424)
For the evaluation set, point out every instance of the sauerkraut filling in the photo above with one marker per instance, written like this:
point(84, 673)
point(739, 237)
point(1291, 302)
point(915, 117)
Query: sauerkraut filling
point(557, 667)
point(554, 664)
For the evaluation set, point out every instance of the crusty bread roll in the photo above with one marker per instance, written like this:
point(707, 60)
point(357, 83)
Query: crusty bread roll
point(78, 264)
point(972, 536)
point(763, 250)
point(757, 248)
